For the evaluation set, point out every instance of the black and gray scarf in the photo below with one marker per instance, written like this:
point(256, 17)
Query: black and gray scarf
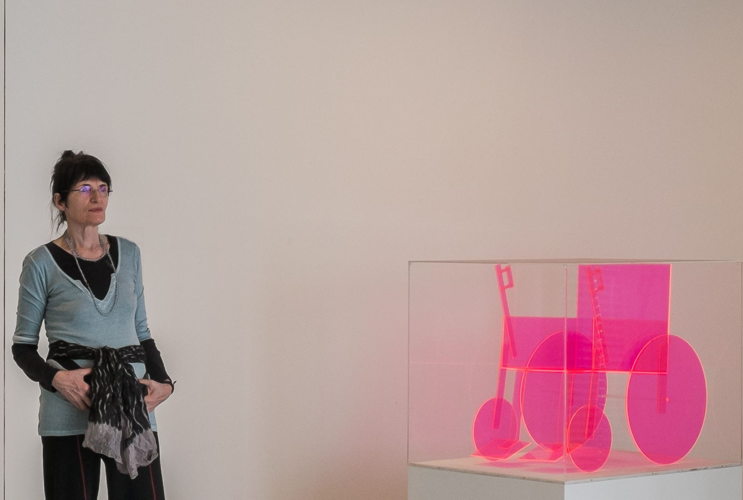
point(118, 423)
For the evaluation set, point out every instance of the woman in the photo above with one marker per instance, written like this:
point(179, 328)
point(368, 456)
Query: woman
point(104, 375)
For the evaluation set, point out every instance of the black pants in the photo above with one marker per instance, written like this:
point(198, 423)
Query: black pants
point(72, 472)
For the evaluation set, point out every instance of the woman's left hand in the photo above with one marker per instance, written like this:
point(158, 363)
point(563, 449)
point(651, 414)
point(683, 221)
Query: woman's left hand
point(156, 393)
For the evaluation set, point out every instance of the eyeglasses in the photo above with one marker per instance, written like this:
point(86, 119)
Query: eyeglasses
point(87, 190)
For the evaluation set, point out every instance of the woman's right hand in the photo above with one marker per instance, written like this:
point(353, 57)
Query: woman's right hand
point(72, 386)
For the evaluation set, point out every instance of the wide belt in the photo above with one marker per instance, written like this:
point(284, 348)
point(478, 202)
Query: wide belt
point(118, 423)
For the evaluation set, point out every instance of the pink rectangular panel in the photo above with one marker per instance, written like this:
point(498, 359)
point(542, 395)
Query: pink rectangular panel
point(629, 303)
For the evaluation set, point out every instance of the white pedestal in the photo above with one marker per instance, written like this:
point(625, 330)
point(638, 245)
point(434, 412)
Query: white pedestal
point(726, 483)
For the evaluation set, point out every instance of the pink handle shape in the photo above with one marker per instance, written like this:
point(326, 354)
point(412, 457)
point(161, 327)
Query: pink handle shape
point(596, 285)
point(500, 272)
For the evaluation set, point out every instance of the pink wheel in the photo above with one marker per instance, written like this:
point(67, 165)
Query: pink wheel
point(543, 396)
point(493, 439)
point(666, 399)
point(589, 438)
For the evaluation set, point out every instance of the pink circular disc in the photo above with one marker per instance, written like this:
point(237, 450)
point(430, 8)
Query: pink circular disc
point(493, 438)
point(589, 438)
point(545, 384)
point(666, 399)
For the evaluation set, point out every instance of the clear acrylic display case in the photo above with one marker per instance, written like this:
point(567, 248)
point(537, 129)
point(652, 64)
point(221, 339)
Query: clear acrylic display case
point(563, 371)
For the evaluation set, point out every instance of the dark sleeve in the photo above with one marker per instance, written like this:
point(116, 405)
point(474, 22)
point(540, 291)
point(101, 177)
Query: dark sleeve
point(154, 364)
point(27, 357)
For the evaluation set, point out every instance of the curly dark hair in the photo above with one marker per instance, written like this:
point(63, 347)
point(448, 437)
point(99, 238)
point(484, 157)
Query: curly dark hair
point(70, 169)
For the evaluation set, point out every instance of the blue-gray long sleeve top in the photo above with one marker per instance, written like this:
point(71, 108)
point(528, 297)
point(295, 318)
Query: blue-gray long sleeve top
point(65, 306)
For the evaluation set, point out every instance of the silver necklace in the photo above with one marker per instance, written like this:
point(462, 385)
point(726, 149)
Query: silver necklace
point(111, 263)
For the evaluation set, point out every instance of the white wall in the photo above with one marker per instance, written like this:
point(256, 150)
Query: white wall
point(280, 162)
point(2, 210)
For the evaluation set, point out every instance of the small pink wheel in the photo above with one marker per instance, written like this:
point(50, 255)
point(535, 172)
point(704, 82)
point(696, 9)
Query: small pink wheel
point(544, 398)
point(589, 438)
point(494, 438)
point(666, 399)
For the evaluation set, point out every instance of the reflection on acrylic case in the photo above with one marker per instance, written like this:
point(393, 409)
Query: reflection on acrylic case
point(560, 368)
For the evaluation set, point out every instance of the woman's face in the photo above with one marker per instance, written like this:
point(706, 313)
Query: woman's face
point(86, 203)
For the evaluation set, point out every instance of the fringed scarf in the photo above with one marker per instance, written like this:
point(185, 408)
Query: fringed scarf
point(118, 423)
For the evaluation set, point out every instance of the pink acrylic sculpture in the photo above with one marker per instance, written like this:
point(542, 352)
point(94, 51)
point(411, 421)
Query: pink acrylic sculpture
point(560, 369)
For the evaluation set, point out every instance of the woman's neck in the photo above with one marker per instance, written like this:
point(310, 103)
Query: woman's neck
point(85, 240)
